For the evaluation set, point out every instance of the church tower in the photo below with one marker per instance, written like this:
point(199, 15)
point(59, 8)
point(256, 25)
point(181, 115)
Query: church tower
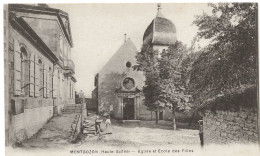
point(161, 33)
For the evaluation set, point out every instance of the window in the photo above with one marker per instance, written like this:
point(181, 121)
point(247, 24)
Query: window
point(40, 77)
point(21, 70)
point(17, 69)
point(60, 84)
point(25, 68)
point(55, 83)
point(128, 64)
point(128, 83)
point(49, 82)
point(32, 75)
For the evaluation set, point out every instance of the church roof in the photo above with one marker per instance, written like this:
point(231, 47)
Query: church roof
point(161, 31)
point(126, 52)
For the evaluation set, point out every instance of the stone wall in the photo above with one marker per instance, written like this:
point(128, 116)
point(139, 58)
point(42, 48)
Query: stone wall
point(224, 127)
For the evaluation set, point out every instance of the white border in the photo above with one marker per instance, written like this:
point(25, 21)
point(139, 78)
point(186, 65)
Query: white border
point(2, 136)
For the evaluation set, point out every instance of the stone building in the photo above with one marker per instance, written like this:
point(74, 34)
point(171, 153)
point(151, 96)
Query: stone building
point(118, 88)
point(231, 118)
point(39, 72)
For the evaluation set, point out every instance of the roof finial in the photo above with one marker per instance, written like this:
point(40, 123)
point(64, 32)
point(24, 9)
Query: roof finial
point(159, 6)
point(159, 13)
point(125, 37)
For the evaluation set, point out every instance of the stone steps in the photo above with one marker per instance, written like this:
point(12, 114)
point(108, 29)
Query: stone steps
point(71, 108)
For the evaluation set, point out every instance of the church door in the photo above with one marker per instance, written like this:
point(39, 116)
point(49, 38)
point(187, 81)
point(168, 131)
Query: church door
point(128, 111)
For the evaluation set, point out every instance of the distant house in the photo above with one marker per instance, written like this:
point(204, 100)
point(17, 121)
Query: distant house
point(231, 118)
point(90, 104)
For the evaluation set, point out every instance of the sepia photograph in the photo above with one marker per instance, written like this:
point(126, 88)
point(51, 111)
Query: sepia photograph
point(131, 78)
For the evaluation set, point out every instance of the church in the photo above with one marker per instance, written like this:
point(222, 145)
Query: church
point(118, 88)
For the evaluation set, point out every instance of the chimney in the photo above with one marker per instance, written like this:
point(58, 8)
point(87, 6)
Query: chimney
point(125, 37)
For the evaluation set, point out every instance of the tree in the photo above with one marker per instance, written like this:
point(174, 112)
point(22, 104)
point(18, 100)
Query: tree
point(164, 85)
point(147, 61)
point(229, 61)
point(172, 76)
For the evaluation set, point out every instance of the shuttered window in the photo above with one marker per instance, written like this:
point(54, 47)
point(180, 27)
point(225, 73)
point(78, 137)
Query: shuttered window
point(55, 83)
point(17, 68)
point(25, 72)
point(37, 72)
point(49, 82)
point(32, 77)
point(44, 81)
point(60, 84)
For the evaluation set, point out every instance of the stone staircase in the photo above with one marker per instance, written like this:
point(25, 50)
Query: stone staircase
point(71, 108)
point(89, 127)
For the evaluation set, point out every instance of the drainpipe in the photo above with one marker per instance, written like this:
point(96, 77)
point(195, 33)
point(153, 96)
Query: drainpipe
point(53, 90)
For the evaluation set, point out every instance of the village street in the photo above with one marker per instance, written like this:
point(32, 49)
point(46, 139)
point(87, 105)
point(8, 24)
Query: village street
point(55, 135)
point(147, 133)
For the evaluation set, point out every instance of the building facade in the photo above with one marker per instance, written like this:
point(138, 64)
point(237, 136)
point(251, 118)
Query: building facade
point(118, 88)
point(39, 72)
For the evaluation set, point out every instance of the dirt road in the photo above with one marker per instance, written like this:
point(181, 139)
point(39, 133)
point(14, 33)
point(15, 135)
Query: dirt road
point(147, 133)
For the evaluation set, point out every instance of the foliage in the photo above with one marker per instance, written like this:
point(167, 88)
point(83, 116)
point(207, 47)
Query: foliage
point(229, 61)
point(147, 61)
point(172, 74)
point(164, 85)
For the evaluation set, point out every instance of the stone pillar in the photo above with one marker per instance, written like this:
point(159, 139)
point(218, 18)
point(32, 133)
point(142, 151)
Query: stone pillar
point(135, 107)
point(119, 108)
point(122, 107)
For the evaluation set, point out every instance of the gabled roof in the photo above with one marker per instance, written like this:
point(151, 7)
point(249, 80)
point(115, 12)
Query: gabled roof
point(46, 11)
point(127, 50)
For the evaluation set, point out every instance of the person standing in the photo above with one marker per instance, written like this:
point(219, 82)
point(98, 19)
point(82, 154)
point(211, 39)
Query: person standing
point(97, 125)
point(108, 125)
point(201, 132)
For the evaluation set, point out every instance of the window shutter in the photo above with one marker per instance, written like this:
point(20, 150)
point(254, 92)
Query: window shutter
point(60, 84)
point(49, 89)
point(44, 81)
point(37, 77)
point(17, 68)
point(25, 75)
point(32, 77)
point(55, 88)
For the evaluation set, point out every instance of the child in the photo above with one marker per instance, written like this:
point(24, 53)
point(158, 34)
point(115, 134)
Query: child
point(97, 125)
point(108, 125)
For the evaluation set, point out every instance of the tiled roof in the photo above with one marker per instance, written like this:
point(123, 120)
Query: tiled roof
point(161, 31)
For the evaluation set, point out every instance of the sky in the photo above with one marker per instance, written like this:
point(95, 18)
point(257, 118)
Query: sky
point(98, 31)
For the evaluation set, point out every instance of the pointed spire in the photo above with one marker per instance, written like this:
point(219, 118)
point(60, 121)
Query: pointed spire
point(159, 12)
